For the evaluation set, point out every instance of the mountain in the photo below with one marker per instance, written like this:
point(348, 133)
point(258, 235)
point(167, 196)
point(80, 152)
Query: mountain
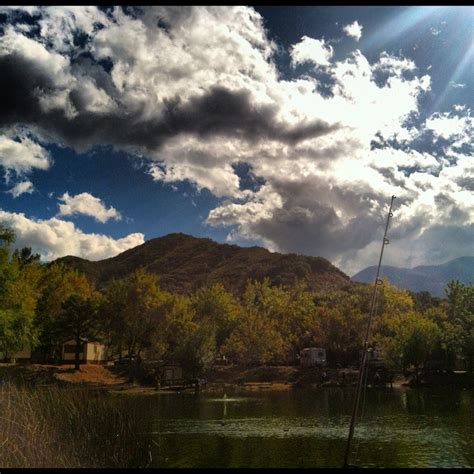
point(432, 278)
point(185, 263)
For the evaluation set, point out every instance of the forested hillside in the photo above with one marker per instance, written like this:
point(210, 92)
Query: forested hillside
point(185, 263)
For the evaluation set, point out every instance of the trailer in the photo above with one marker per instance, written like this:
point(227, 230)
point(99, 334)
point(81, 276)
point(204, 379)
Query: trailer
point(313, 357)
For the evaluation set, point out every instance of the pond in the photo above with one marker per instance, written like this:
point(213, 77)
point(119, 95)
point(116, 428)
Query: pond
point(399, 427)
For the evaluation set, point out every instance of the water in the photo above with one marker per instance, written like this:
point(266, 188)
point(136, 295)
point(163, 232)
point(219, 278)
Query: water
point(308, 428)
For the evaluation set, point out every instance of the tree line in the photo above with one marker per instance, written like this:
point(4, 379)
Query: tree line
point(45, 305)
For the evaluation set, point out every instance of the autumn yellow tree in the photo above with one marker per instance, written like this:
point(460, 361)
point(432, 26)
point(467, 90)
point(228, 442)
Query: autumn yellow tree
point(133, 307)
point(258, 337)
point(57, 284)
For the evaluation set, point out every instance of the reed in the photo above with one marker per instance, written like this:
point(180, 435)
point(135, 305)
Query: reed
point(63, 427)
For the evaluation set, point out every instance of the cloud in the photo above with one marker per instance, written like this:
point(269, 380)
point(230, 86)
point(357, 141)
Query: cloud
point(69, 117)
point(451, 125)
point(395, 64)
point(22, 154)
point(21, 188)
point(54, 238)
point(311, 50)
point(354, 30)
point(197, 90)
point(87, 205)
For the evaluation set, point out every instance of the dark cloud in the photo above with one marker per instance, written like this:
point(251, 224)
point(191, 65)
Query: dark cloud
point(446, 204)
point(441, 243)
point(389, 174)
point(466, 182)
point(218, 112)
point(308, 223)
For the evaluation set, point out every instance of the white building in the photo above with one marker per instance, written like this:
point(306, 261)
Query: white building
point(91, 353)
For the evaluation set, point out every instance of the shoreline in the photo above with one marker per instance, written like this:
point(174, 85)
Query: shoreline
point(219, 379)
point(223, 378)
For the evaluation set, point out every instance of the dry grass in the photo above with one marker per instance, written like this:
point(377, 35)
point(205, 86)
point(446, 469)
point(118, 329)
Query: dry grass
point(90, 374)
point(59, 427)
point(48, 374)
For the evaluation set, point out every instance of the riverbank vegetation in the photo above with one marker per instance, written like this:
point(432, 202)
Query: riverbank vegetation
point(44, 305)
point(58, 427)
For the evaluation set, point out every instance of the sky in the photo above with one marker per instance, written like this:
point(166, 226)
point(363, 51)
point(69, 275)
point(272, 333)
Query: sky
point(284, 127)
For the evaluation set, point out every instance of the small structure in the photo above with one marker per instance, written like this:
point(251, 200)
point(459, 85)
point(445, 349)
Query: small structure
point(377, 371)
point(313, 357)
point(171, 375)
point(374, 359)
point(24, 355)
point(91, 353)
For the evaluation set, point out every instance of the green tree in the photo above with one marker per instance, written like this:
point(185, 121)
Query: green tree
point(25, 256)
point(19, 292)
point(79, 321)
point(460, 311)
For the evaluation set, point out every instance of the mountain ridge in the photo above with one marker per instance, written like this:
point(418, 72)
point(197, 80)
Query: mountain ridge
point(185, 263)
point(431, 278)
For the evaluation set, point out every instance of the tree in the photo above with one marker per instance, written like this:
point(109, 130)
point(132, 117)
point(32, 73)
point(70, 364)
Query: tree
point(197, 351)
point(217, 307)
point(341, 320)
point(258, 337)
point(25, 256)
point(19, 293)
point(79, 320)
point(400, 331)
point(460, 311)
point(57, 284)
point(420, 341)
point(133, 307)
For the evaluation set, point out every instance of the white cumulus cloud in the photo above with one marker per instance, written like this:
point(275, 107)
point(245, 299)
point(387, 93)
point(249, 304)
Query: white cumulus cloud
point(354, 30)
point(22, 155)
point(311, 50)
point(88, 205)
point(54, 238)
point(21, 188)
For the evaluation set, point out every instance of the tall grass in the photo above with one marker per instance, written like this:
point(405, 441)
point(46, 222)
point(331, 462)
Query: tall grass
point(61, 427)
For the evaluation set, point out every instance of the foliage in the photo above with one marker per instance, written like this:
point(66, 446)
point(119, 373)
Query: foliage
point(57, 284)
point(341, 324)
point(132, 311)
point(258, 338)
point(268, 324)
point(214, 306)
point(460, 312)
point(79, 321)
point(19, 292)
point(185, 264)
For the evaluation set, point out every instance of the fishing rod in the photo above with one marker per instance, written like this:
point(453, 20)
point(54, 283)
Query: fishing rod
point(363, 363)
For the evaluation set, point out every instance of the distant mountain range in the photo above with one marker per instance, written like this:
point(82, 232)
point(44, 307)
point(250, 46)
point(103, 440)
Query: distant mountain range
point(185, 263)
point(432, 278)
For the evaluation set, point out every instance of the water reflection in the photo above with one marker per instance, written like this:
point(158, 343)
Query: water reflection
point(303, 428)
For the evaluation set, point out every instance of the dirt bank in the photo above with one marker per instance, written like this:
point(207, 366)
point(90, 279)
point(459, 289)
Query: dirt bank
point(48, 374)
point(228, 377)
point(278, 377)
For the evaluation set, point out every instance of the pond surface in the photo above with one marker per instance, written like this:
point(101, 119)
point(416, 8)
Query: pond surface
point(400, 427)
